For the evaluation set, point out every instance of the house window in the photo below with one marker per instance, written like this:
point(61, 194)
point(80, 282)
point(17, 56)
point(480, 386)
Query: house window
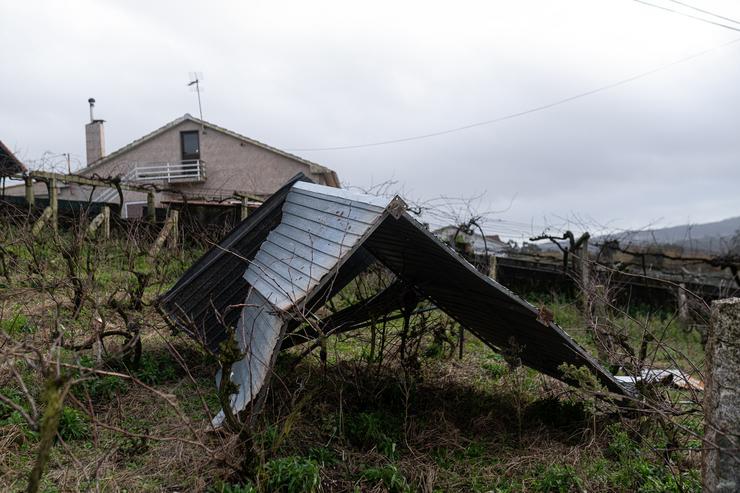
point(190, 145)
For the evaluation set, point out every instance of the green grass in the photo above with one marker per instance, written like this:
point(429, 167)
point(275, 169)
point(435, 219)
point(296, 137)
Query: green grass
point(17, 324)
point(73, 424)
point(357, 425)
point(291, 475)
point(389, 476)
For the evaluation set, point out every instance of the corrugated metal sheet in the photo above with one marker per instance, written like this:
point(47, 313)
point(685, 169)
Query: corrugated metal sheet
point(489, 310)
point(319, 226)
point(321, 238)
point(257, 333)
point(199, 303)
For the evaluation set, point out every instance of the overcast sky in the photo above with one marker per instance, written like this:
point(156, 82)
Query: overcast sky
point(662, 149)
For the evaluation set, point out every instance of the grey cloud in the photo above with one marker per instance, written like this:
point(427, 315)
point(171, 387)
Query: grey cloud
point(664, 146)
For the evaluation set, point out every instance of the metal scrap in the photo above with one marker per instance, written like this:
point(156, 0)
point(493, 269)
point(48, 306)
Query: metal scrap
point(305, 243)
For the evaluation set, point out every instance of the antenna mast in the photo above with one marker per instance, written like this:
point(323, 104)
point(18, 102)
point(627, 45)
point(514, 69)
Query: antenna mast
point(195, 79)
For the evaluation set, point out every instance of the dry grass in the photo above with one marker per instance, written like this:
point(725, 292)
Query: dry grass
point(456, 426)
point(441, 424)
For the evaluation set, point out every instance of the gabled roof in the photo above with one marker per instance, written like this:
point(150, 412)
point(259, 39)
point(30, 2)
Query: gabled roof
point(9, 164)
point(310, 240)
point(332, 178)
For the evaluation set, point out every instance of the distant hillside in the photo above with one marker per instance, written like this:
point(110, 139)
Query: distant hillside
point(710, 237)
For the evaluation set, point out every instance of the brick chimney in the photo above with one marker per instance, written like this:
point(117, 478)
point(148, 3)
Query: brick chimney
point(94, 137)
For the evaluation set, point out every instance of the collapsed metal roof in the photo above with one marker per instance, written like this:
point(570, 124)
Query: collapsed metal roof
point(305, 243)
point(9, 164)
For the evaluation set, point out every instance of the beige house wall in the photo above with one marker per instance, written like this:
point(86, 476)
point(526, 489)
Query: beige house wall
point(231, 164)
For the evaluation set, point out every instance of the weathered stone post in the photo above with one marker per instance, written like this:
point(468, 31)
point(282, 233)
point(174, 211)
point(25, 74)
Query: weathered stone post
point(169, 230)
point(492, 267)
point(102, 219)
point(721, 460)
point(54, 203)
point(244, 209)
point(683, 305)
point(585, 269)
point(29, 192)
point(106, 222)
point(175, 231)
point(151, 211)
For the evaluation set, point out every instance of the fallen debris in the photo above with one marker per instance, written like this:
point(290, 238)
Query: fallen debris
point(672, 377)
point(272, 273)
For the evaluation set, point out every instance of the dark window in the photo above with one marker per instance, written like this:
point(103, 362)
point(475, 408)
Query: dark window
point(190, 145)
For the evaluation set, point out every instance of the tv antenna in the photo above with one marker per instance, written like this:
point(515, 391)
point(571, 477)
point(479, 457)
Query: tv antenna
point(195, 79)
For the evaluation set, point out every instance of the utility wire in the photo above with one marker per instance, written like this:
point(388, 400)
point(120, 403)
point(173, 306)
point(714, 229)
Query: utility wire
point(705, 11)
point(520, 113)
point(689, 15)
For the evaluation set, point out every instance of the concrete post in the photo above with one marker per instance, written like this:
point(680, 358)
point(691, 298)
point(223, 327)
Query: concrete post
point(106, 222)
point(721, 459)
point(244, 209)
point(492, 267)
point(39, 224)
point(584, 267)
point(30, 200)
point(150, 207)
point(169, 228)
point(600, 320)
point(102, 219)
point(461, 343)
point(54, 203)
point(175, 232)
point(683, 305)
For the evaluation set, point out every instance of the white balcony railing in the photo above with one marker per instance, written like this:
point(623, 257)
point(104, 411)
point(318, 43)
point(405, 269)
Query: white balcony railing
point(178, 172)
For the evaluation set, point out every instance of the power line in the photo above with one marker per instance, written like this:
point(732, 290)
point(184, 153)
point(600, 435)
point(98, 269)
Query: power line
point(705, 11)
point(696, 17)
point(520, 113)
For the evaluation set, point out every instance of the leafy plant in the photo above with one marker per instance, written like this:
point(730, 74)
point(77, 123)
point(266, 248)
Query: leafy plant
point(389, 476)
point(495, 370)
point(101, 388)
point(291, 475)
point(634, 471)
point(11, 417)
point(73, 424)
point(13, 395)
point(322, 455)
point(16, 419)
point(17, 324)
point(557, 478)
point(621, 447)
point(154, 371)
point(369, 429)
point(581, 376)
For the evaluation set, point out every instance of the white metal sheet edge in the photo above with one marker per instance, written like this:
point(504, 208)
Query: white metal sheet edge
point(257, 333)
point(362, 198)
point(318, 229)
